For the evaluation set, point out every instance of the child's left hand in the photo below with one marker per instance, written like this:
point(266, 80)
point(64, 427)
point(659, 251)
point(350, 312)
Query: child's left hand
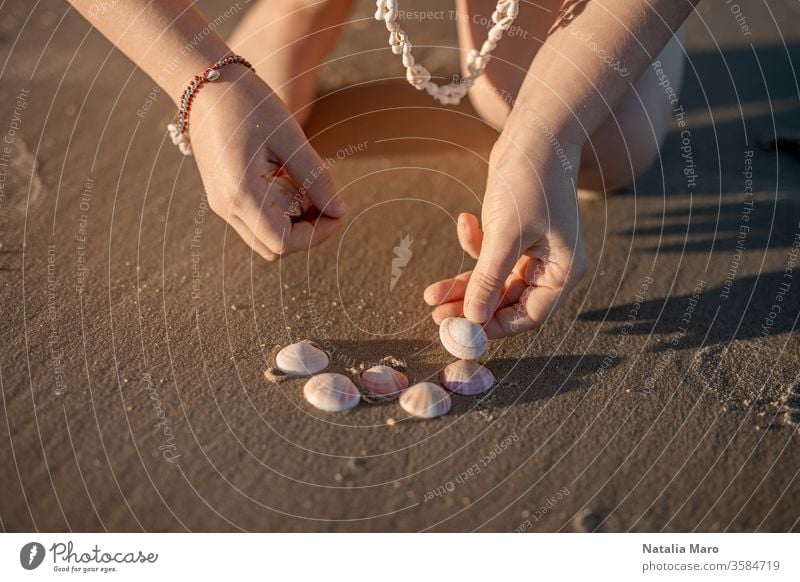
point(531, 252)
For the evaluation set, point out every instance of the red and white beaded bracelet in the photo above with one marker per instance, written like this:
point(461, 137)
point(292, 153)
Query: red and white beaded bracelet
point(178, 130)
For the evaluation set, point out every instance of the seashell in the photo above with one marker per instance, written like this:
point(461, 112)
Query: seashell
point(418, 76)
point(383, 381)
point(212, 75)
point(462, 338)
point(426, 400)
point(331, 392)
point(466, 377)
point(301, 359)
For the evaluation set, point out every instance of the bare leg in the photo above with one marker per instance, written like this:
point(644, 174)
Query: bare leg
point(624, 146)
point(287, 40)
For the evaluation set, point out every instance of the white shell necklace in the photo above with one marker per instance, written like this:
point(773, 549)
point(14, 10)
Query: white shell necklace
point(450, 94)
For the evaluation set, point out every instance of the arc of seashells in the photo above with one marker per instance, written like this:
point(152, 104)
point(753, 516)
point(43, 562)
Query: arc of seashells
point(503, 18)
point(463, 338)
point(331, 392)
point(426, 400)
point(301, 359)
point(466, 377)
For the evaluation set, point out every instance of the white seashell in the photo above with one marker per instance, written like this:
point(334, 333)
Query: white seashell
point(212, 75)
point(426, 400)
point(418, 76)
point(331, 392)
point(383, 381)
point(462, 338)
point(301, 359)
point(467, 377)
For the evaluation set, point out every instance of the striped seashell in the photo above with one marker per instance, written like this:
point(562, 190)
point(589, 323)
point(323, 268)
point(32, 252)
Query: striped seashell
point(426, 400)
point(301, 359)
point(331, 392)
point(466, 377)
point(463, 338)
point(383, 381)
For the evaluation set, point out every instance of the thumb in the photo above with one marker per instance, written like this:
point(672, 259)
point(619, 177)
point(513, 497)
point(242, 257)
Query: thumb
point(311, 174)
point(498, 256)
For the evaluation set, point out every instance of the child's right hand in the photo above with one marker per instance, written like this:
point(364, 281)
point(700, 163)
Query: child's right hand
point(260, 173)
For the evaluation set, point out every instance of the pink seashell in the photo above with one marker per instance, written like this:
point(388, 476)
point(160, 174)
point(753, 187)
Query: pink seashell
point(426, 400)
point(467, 378)
point(383, 381)
point(331, 392)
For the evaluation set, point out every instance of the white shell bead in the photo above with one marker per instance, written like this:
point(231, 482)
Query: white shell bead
point(426, 400)
point(463, 338)
point(383, 381)
point(331, 392)
point(301, 359)
point(467, 377)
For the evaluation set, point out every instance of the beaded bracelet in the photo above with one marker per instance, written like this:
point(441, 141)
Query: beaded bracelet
point(178, 130)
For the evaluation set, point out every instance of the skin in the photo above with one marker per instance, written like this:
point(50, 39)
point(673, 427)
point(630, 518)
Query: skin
point(250, 151)
point(529, 247)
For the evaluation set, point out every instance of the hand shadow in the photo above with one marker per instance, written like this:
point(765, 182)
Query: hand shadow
point(717, 317)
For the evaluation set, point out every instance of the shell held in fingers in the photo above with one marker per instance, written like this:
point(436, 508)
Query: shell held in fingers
point(383, 382)
point(301, 359)
point(466, 377)
point(463, 338)
point(426, 400)
point(331, 392)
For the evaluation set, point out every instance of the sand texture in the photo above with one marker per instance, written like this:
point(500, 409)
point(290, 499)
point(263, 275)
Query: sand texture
point(136, 328)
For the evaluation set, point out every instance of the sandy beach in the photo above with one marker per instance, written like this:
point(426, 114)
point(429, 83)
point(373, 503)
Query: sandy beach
point(664, 396)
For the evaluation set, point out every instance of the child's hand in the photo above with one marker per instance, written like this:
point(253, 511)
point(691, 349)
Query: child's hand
point(260, 173)
point(530, 253)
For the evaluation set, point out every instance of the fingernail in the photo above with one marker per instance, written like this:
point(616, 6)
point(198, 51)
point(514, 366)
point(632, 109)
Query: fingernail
point(339, 205)
point(476, 312)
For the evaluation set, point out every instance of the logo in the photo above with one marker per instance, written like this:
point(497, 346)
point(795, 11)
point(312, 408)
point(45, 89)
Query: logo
point(31, 555)
point(402, 254)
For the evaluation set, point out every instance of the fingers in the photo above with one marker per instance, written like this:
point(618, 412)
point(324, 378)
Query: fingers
point(454, 309)
point(548, 286)
point(269, 218)
point(534, 307)
point(308, 171)
point(469, 234)
point(497, 257)
point(250, 238)
point(447, 290)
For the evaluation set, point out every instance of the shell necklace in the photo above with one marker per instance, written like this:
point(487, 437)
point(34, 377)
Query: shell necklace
point(450, 94)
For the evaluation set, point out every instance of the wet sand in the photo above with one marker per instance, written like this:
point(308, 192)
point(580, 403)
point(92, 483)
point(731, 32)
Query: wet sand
point(663, 396)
